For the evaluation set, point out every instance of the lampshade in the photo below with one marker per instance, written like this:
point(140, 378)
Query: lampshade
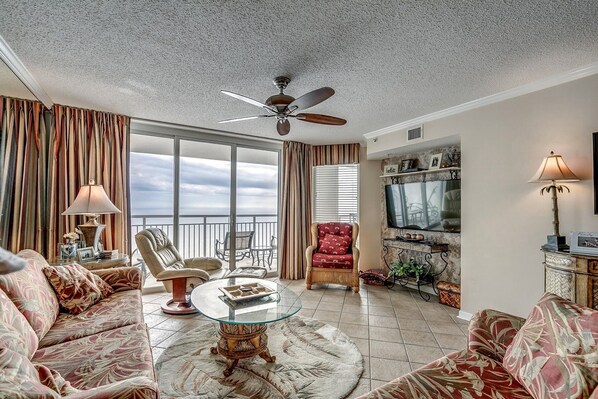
point(553, 168)
point(91, 200)
point(10, 263)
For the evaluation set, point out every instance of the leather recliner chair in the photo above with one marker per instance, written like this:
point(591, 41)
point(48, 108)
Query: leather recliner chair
point(178, 275)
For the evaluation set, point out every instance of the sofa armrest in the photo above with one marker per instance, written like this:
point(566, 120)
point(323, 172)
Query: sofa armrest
point(490, 332)
point(121, 278)
point(132, 388)
point(183, 273)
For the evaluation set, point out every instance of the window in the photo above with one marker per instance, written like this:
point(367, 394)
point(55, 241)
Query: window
point(336, 193)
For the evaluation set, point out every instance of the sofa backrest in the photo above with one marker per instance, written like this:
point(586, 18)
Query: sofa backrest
point(16, 333)
point(30, 291)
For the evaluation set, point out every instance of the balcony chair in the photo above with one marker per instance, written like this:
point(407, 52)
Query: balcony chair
point(178, 275)
point(327, 262)
point(244, 241)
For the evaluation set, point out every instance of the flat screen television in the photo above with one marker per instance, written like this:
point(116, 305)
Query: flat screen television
point(430, 205)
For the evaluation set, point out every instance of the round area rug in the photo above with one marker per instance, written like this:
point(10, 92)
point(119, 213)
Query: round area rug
point(313, 360)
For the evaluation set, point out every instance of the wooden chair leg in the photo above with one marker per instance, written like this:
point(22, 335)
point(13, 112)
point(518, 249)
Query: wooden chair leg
point(179, 304)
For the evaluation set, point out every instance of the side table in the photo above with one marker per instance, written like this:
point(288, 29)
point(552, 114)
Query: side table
point(263, 255)
point(96, 264)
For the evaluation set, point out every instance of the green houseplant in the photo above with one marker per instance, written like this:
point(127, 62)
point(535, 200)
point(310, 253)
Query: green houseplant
point(410, 268)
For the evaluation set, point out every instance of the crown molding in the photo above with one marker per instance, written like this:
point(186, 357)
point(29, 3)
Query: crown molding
point(542, 84)
point(22, 73)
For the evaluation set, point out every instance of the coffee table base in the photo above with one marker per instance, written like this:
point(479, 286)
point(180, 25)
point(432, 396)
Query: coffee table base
point(241, 341)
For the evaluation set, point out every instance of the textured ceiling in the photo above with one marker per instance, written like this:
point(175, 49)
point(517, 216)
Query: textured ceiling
point(389, 61)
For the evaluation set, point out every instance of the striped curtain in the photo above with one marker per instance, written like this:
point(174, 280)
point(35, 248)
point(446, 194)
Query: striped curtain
point(335, 154)
point(23, 170)
point(295, 215)
point(86, 145)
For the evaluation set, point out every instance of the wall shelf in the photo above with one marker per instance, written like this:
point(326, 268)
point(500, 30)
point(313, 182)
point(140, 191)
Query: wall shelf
point(423, 172)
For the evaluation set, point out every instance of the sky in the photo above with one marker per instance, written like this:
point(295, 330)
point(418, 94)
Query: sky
point(204, 186)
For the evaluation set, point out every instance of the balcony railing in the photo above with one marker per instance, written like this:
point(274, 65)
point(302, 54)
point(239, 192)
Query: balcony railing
point(198, 233)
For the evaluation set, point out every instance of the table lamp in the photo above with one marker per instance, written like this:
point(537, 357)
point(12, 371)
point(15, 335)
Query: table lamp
point(553, 169)
point(91, 202)
point(10, 263)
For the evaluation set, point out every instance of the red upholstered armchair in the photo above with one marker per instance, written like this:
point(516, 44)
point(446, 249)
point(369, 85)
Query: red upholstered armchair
point(333, 257)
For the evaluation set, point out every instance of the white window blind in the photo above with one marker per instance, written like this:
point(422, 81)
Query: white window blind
point(336, 193)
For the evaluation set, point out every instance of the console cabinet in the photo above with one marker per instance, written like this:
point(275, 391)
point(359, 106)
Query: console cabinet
point(570, 276)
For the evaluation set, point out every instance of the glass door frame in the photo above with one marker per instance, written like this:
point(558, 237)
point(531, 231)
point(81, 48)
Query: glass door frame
point(188, 133)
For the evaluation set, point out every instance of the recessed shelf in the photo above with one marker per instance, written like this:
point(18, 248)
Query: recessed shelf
point(423, 172)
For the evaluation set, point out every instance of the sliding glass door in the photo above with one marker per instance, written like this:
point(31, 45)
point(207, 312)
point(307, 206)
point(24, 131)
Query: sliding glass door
point(197, 191)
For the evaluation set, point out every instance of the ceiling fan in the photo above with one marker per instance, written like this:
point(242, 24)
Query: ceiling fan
point(283, 107)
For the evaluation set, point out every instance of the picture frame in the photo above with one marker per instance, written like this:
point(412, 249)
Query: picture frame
point(435, 161)
point(584, 243)
point(85, 254)
point(391, 169)
point(408, 165)
point(67, 251)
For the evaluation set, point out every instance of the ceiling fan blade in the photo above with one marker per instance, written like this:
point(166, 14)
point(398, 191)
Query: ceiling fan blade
point(248, 100)
point(312, 98)
point(245, 118)
point(283, 127)
point(322, 119)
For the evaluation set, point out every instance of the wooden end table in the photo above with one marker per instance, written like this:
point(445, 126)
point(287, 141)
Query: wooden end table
point(243, 325)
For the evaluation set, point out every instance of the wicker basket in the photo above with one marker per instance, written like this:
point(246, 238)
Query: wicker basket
point(449, 294)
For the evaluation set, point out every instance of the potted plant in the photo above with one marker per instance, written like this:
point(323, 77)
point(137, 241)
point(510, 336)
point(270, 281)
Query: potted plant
point(410, 268)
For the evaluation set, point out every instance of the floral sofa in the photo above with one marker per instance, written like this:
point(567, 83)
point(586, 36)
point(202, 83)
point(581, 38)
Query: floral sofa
point(102, 352)
point(551, 355)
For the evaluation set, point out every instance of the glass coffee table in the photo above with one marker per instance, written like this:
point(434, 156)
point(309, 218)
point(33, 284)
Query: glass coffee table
point(243, 322)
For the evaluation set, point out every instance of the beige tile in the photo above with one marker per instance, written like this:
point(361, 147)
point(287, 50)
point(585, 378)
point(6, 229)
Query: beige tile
point(354, 308)
point(450, 341)
point(329, 306)
point(387, 369)
point(382, 311)
point(309, 304)
point(437, 317)
point(354, 330)
point(366, 367)
point(333, 299)
point(423, 354)
point(363, 345)
point(388, 350)
point(156, 352)
point(415, 366)
point(419, 338)
point(327, 315)
point(383, 321)
point(306, 312)
point(171, 340)
point(385, 334)
point(445, 328)
point(173, 324)
point(153, 320)
point(355, 318)
point(362, 301)
point(150, 307)
point(413, 325)
point(379, 301)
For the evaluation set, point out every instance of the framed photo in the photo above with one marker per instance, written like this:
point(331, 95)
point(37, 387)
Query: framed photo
point(435, 161)
point(584, 243)
point(85, 254)
point(391, 169)
point(67, 251)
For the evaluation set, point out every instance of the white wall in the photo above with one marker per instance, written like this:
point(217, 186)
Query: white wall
point(369, 212)
point(504, 218)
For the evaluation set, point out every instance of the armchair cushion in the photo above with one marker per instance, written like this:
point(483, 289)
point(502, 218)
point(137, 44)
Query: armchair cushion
point(335, 245)
point(76, 287)
point(332, 261)
point(183, 273)
point(333, 228)
point(555, 354)
point(207, 264)
point(31, 292)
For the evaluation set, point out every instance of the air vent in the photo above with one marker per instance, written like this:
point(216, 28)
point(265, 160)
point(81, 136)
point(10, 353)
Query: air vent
point(415, 133)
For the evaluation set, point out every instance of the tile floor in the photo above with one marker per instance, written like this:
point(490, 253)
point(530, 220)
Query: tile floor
point(395, 330)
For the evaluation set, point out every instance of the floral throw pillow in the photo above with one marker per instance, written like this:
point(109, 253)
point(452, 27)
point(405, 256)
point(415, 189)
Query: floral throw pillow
point(555, 354)
point(335, 245)
point(76, 287)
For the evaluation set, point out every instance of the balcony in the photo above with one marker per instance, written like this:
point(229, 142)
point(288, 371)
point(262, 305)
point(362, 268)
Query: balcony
point(198, 233)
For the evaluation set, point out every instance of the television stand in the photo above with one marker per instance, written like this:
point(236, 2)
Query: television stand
point(426, 250)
